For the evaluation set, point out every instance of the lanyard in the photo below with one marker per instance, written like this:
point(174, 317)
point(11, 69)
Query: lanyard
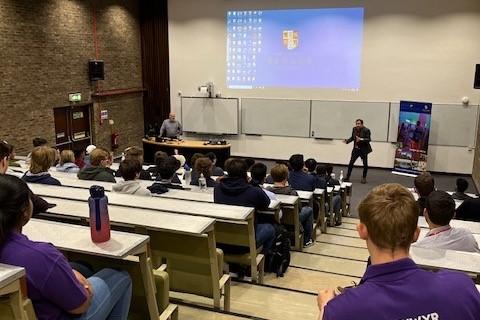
point(439, 231)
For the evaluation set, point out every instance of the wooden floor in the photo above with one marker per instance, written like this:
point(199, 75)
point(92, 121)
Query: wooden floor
point(338, 258)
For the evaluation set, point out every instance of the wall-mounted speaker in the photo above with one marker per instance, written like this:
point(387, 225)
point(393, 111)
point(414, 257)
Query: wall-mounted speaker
point(476, 83)
point(95, 70)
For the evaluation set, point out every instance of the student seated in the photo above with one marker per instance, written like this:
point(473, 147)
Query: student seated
point(469, 210)
point(182, 160)
point(462, 186)
point(325, 171)
point(160, 156)
point(424, 185)
point(195, 175)
point(130, 170)
point(67, 162)
point(320, 176)
point(279, 174)
point(39, 205)
point(331, 182)
point(203, 166)
point(135, 153)
point(55, 289)
point(79, 158)
point(216, 171)
point(11, 158)
point(166, 170)
point(311, 165)
point(439, 211)
point(394, 287)
point(42, 160)
point(234, 189)
point(299, 179)
point(88, 154)
point(36, 142)
point(98, 169)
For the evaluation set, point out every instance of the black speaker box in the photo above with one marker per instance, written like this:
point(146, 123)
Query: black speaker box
point(476, 83)
point(95, 70)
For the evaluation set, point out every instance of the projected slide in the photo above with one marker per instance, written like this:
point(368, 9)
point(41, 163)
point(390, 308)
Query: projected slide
point(301, 48)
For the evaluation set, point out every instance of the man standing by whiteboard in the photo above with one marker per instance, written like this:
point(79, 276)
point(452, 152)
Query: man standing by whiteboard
point(171, 128)
point(361, 148)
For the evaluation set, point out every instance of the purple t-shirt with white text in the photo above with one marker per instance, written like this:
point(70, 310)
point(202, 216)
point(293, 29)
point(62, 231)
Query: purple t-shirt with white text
point(400, 290)
point(51, 284)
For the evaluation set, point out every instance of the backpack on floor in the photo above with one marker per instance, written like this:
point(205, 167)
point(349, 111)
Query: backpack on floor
point(278, 260)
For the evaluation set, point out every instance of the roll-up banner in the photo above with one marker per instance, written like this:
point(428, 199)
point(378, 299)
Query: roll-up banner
point(412, 142)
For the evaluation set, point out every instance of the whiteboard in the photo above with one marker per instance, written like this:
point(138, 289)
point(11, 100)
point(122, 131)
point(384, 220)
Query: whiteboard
point(335, 119)
point(452, 125)
point(209, 115)
point(276, 117)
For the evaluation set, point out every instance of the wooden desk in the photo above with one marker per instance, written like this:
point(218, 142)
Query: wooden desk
point(76, 239)
point(186, 148)
point(13, 284)
point(467, 262)
point(187, 240)
point(211, 210)
point(474, 227)
point(235, 224)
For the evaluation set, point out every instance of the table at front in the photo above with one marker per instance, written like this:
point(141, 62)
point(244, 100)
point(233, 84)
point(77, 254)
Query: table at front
point(186, 148)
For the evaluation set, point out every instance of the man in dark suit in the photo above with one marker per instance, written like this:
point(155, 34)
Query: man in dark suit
point(361, 148)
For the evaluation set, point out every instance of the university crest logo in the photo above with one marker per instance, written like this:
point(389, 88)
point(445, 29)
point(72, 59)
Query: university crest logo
point(290, 39)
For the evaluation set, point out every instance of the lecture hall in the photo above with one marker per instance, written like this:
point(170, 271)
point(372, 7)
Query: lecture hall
point(228, 160)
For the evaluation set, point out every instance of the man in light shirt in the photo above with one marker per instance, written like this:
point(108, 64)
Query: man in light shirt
point(171, 128)
point(439, 211)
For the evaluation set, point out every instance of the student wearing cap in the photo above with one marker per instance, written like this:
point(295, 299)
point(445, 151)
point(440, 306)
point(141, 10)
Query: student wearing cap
point(88, 152)
point(394, 287)
point(439, 211)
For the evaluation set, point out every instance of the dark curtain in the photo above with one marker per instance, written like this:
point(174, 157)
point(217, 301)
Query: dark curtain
point(155, 60)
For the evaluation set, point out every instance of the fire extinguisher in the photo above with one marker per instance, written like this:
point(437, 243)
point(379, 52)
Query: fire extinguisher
point(114, 138)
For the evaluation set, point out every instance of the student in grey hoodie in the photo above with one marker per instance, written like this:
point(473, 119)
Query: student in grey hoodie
point(130, 170)
point(67, 162)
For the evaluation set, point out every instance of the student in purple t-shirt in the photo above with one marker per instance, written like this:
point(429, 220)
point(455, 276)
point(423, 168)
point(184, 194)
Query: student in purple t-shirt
point(394, 287)
point(56, 291)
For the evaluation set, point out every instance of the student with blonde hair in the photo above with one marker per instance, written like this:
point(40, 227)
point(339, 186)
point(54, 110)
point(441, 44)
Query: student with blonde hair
point(99, 169)
point(42, 159)
point(394, 287)
point(67, 162)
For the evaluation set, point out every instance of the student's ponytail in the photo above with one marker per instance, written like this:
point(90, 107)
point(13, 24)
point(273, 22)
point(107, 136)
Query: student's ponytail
point(14, 200)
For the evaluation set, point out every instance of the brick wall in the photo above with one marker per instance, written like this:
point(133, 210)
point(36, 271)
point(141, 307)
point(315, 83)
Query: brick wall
point(44, 49)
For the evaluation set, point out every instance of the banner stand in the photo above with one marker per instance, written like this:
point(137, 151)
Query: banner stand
point(414, 125)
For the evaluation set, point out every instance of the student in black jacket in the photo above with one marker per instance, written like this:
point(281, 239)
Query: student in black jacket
point(469, 210)
point(166, 170)
point(234, 189)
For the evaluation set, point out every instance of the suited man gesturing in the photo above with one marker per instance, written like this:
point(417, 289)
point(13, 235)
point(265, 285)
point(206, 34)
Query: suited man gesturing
point(361, 148)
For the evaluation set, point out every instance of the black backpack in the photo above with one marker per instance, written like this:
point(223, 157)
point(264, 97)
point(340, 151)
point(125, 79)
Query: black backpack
point(278, 260)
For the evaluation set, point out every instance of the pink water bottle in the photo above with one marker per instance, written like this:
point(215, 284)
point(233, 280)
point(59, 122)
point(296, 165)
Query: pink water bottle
point(99, 220)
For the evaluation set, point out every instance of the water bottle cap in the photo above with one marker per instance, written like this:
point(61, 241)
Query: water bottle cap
point(97, 191)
